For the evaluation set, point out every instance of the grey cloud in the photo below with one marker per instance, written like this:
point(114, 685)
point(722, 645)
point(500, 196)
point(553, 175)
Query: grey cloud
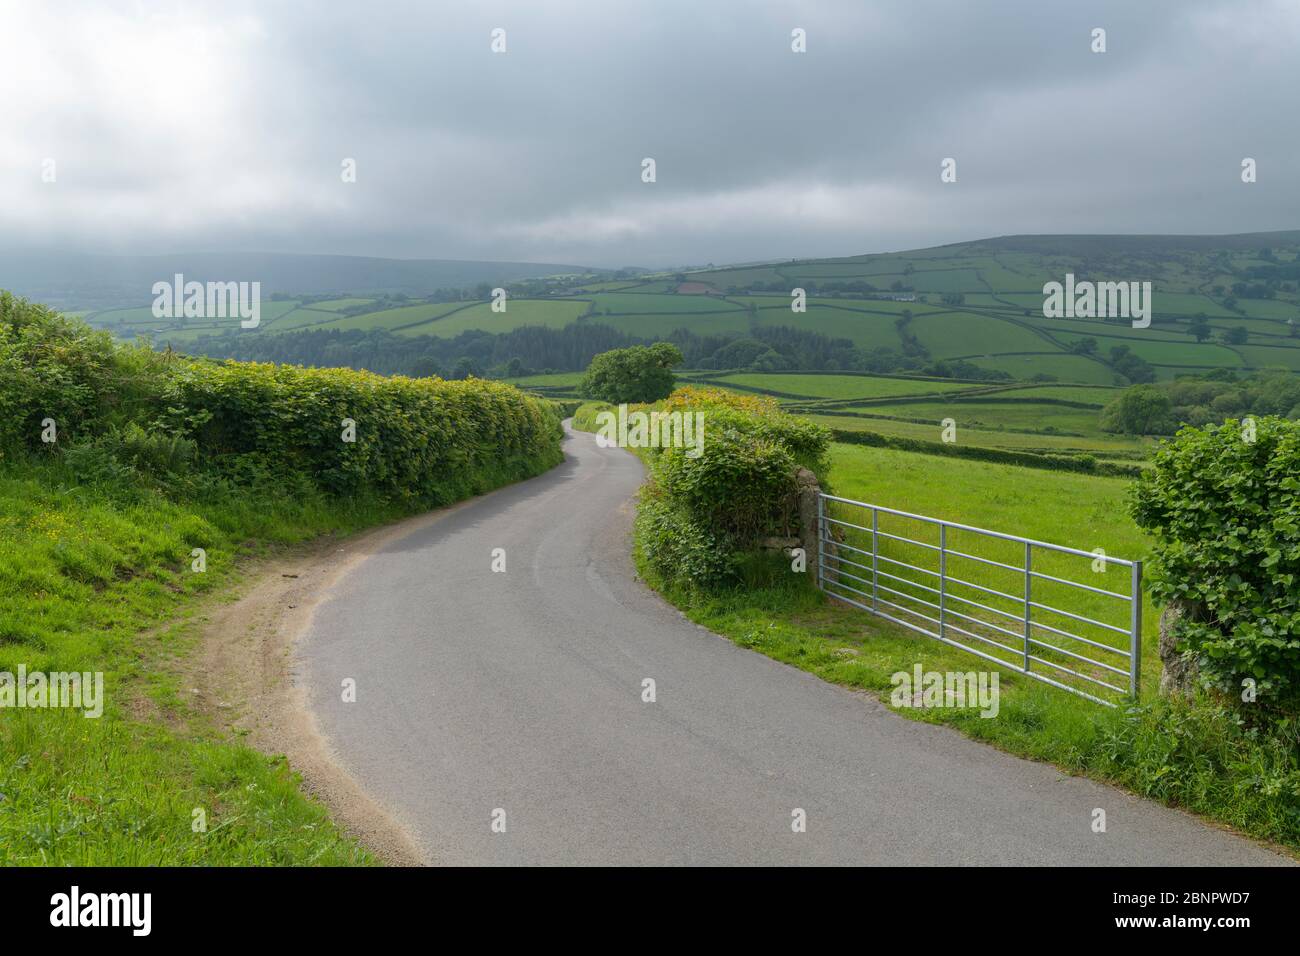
point(536, 154)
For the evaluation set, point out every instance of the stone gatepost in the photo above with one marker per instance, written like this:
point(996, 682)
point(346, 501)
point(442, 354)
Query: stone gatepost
point(809, 533)
point(1178, 675)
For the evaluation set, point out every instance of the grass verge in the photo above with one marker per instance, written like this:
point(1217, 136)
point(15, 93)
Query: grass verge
point(101, 578)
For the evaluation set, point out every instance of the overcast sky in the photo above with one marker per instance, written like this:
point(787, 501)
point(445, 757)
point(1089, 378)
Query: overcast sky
point(222, 125)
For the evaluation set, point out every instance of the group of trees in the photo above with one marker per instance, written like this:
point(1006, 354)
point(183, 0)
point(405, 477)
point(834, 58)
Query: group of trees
point(1202, 330)
point(1161, 409)
point(1121, 358)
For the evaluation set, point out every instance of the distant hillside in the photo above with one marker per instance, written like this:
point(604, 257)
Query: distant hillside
point(85, 282)
point(971, 310)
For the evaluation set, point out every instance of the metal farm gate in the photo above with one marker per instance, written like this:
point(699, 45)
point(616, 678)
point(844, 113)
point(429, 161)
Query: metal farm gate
point(1013, 601)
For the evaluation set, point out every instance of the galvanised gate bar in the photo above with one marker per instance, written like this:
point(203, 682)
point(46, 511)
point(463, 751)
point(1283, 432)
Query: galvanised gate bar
point(1016, 602)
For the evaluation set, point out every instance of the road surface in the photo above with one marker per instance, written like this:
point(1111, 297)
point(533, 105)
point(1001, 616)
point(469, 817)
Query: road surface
point(516, 697)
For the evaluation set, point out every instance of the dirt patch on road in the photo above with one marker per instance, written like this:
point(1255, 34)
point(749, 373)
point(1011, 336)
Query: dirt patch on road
point(247, 660)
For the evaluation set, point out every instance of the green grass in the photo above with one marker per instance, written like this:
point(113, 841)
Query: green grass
point(837, 386)
point(336, 305)
point(101, 580)
point(967, 334)
point(519, 312)
point(1065, 368)
point(1002, 415)
point(395, 318)
point(864, 329)
point(1258, 356)
point(1068, 393)
point(1073, 510)
point(873, 419)
point(625, 302)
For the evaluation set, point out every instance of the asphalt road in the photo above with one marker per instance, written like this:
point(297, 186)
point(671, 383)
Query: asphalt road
point(522, 692)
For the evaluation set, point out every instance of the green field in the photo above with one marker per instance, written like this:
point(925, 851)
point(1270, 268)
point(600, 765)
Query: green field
point(836, 386)
point(1077, 511)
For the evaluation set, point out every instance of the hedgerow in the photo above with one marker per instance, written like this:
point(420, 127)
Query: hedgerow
point(1223, 505)
point(423, 441)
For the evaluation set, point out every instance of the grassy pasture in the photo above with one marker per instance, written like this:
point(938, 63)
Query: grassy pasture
point(1064, 367)
point(1010, 415)
point(968, 333)
point(837, 386)
point(876, 420)
point(393, 319)
point(555, 313)
point(1270, 309)
point(1163, 351)
point(617, 303)
point(864, 329)
point(336, 305)
point(1070, 393)
point(1262, 356)
point(1077, 511)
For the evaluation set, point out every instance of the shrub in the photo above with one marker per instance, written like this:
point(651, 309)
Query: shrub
point(637, 374)
point(1140, 410)
point(742, 484)
point(679, 548)
point(700, 519)
point(1225, 515)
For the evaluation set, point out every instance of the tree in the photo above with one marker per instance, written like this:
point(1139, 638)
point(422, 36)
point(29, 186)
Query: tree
point(1140, 410)
point(1200, 327)
point(425, 368)
point(636, 374)
point(1085, 346)
point(464, 368)
point(1237, 335)
point(1133, 367)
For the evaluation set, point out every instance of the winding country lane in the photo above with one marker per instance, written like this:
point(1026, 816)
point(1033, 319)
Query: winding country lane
point(522, 691)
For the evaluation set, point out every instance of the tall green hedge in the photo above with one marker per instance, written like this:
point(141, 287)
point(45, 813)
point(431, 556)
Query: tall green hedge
point(420, 440)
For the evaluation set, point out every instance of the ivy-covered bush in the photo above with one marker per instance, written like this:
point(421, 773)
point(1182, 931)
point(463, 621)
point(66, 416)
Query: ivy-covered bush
point(1223, 504)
